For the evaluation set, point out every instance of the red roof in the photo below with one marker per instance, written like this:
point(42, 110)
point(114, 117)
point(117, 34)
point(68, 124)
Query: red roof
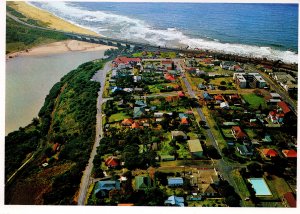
point(284, 107)
point(135, 125)
point(166, 62)
point(55, 146)
point(112, 161)
point(169, 77)
point(184, 121)
point(219, 97)
point(270, 152)
point(238, 132)
point(234, 96)
point(290, 153)
point(126, 60)
point(272, 113)
point(127, 122)
point(207, 60)
point(290, 199)
point(181, 94)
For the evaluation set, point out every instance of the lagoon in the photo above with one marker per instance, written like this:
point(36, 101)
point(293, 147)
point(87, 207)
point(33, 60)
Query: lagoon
point(30, 78)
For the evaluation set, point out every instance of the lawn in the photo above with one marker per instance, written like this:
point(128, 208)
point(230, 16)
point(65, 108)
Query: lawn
point(278, 186)
point(183, 152)
point(251, 133)
point(118, 117)
point(254, 101)
point(165, 147)
point(227, 133)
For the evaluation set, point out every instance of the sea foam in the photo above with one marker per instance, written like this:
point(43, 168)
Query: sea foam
point(123, 27)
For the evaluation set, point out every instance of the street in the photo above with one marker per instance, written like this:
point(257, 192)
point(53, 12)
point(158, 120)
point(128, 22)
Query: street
point(86, 178)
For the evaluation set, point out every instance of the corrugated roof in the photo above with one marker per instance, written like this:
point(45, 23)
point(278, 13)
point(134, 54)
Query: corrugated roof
point(195, 145)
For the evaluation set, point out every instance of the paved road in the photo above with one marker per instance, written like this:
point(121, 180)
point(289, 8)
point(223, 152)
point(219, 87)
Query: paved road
point(86, 178)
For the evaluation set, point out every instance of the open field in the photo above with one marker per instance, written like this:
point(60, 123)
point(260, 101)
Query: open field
point(254, 101)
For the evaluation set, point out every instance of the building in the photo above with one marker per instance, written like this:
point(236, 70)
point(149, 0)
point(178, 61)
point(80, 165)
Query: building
point(237, 133)
point(127, 122)
point(138, 112)
point(280, 114)
point(142, 182)
point(112, 162)
point(228, 65)
point(195, 148)
point(291, 153)
point(287, 81)
point(178, 134)
point(249, 80)
point(123, 60)
point(244, 150)
point(175, 201)
point(269, 153)
point(175, 182)
point(105, 186)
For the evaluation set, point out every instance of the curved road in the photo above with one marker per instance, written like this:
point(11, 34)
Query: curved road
point(86, 178)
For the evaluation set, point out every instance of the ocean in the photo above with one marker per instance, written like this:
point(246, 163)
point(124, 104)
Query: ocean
point(256, 30)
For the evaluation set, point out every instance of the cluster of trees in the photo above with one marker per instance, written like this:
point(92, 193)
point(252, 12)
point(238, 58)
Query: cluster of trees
point(21, 37)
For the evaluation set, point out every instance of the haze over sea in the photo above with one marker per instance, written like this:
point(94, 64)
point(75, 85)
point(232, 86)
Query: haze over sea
point(259, 30)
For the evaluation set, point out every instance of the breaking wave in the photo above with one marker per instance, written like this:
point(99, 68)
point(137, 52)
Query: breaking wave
point(123, 27)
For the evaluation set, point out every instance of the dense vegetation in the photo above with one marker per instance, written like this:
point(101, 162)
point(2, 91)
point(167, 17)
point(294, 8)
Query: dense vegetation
point(20, 37)
point(67, 118)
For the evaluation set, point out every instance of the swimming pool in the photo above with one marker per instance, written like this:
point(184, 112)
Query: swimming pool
point(260, 186)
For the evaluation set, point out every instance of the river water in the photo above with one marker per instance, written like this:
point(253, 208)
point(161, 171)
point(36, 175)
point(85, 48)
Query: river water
point(30, 78)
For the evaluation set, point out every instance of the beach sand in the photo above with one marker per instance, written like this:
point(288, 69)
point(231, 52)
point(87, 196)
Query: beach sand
point(46, 17)
point(60, 47)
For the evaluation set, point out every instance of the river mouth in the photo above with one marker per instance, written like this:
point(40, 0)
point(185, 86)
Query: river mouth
point(29, 80)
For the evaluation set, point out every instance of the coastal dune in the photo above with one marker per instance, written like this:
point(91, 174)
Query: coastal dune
point(46, 17)
point(61, 47)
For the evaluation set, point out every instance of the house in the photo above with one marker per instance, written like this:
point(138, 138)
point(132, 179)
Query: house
point(56, 147)
point(140, 103)
point(207, 190)
point(182, 115)
point(138, 112)
point(227, 65)
point(169, 77)
point(127, 122)
point(135, 125)
point(184, 121)
point(115, 89)
point(224, 105)
point(128, 90)
point(234, 97)
point(267, 139)
point(172, 98)
point(181, 94)
point(137, 78)
point(289, 200)
point(244, 150)
point(237, 133)
point(112, 162)
point(105, 186)
point(201, 86)
point(125, 60)
point(269, 153)
point(168, 64)
point(275, 117)
point(249, 80)
point(175, 201)
point(289, 153)
point(142, 182)
point(280, 114)
point(287, 81)
point(195, 148)
point(158, 114)
point(206, 96)
point(282, 106)
point(275, 96)
point(178, 134)
point(219, 98)
point(175, 182)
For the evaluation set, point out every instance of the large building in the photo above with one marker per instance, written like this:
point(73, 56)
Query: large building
point(249, 80)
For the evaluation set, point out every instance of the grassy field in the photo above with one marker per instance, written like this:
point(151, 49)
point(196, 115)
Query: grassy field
point(227, 133)
point(243, 190)
point(118, 117)
point(254, 101)
point(251, 133)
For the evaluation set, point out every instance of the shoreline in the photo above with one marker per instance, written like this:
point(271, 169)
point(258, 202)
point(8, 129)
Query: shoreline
point(60, 47)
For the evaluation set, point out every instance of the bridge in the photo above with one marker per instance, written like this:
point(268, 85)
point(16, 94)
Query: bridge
point(147, 46)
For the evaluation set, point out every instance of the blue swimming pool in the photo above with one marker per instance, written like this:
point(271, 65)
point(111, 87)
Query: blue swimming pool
point(260, 186)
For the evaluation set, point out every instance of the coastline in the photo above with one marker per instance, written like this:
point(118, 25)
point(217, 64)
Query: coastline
point(48, 18)
point(60, 47)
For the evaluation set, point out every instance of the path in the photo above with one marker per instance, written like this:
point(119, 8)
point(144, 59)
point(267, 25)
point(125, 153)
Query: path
point(86, 178)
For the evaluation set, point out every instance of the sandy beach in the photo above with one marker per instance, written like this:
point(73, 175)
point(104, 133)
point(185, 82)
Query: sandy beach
point(60, 47)
point(46, 17)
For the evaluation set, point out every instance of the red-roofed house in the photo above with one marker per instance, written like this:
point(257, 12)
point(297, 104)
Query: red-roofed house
point(181, 94)
point(169, 77)
point(184, 121)
point(219, 98)
point(55, 147)
point(289, 200)
point(283, 107)
point(169, 65)
point(171, 98)
point(127, 122)
point(207, 61)
point(289, 153)
point(135, 125)
point(237, 133)
point(125, 60)
point(112, 162)
point(269, 153)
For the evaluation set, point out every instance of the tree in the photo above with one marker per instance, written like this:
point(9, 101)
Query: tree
point(255, 169)
point(223, 82)
point(131, 156)
point(212, 152)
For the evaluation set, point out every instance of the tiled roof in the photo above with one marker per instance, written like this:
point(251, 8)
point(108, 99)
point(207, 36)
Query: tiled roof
point(112, 161)
point(125, 60)
point(290, 153)
point(284, 107)
point(290, 199)
point(270, 152)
